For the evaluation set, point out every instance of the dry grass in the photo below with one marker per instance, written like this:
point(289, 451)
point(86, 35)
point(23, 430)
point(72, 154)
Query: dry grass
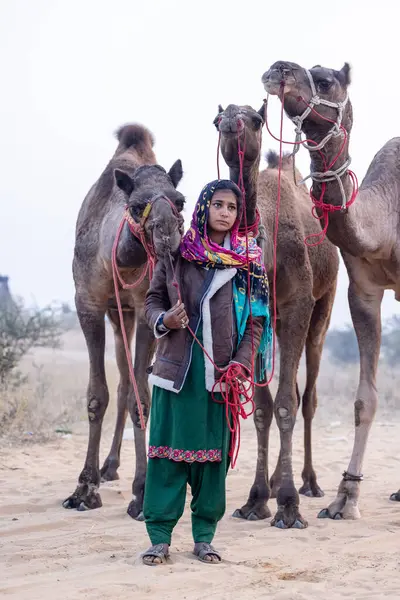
point(53, 398)
point(54, 395)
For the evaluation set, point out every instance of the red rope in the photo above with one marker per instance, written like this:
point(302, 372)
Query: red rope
point(218, 147)
point(117, 278)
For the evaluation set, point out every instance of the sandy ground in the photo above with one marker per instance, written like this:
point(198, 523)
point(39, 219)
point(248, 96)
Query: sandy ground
point(47, 551)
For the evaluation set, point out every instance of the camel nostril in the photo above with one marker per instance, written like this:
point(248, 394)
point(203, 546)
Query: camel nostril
point(239, 124)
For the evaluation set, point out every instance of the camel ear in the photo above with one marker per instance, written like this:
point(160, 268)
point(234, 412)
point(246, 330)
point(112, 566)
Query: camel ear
point(124, 181)
point(261, 112)
point(216, 120)
point(176, 172)
point(345, 74)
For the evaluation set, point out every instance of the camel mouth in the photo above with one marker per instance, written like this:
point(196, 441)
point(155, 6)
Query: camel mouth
point(231, 127)
point(275, 80)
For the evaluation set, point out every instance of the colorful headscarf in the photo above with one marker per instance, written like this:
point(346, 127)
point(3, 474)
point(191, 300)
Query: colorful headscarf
point(197, 247)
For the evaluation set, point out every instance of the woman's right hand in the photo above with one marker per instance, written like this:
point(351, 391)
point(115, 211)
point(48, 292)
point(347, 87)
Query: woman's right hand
point(176, 317)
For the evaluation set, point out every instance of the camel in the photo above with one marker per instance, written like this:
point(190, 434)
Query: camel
point(367, 232)
point(133, 178)
point(305, 291)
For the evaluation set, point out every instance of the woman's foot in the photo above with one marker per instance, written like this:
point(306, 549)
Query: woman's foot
point(206, 553)
point(156, 555)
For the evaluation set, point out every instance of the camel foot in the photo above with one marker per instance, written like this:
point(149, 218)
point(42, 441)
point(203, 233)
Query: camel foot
point(325, 514)
point(85, 497)
point(288, 517)
point(395, 497)
point(252, 513)
point(311, 489)
point(108, 471)
point(345, 505)
point(135, 511)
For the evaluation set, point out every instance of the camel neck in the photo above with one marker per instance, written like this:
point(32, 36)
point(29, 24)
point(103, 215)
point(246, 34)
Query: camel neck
point(250, 179)
point(342, 229)
point(321, 160)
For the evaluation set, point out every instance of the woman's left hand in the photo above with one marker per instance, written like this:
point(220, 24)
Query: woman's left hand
point(243, 374)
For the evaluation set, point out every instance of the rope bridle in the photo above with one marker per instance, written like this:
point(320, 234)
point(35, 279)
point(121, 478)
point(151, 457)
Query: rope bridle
point(329, 173)
point(335, 131)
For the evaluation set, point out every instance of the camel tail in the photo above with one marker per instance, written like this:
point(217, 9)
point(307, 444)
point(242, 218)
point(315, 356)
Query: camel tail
point(272, 159)
point(134, 136)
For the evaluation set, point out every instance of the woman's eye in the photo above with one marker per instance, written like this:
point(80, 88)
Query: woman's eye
point(217, 205)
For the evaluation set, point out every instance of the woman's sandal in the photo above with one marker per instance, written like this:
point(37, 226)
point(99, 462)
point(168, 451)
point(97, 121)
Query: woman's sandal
point(159, 551)
point(203, 549)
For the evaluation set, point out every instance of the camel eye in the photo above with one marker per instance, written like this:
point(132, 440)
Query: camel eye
point(257, 122)
point(324, 85)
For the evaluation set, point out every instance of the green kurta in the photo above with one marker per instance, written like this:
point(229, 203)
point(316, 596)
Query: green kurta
point(189, 445)
point(189, 426)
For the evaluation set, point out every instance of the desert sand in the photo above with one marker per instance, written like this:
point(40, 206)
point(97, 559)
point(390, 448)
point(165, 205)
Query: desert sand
point(47, 551)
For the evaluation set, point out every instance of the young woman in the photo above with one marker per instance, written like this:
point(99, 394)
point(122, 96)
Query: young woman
point(189, 433)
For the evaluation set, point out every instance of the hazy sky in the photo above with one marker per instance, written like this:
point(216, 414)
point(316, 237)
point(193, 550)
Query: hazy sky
point(73, 71)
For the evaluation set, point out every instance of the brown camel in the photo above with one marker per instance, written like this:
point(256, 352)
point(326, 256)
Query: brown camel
point(131, 177)
point(367, 233)
point(305, 290)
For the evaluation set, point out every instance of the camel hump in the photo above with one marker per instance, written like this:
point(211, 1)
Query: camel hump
point(134, 136)
point(272, 159)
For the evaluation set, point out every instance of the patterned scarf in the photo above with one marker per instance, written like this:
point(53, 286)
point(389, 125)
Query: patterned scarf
point(197, 247)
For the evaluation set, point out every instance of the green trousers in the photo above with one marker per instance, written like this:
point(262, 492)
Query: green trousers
point(165, 494)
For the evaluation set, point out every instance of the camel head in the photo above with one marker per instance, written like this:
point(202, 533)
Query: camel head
point(153, 189)
point(293, 84)
point(239, 123)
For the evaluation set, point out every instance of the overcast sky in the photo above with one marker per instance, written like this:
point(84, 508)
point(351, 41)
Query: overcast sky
point(73, 71)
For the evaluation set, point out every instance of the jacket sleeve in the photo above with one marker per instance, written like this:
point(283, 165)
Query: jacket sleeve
point(243, 354)
point(157, 298)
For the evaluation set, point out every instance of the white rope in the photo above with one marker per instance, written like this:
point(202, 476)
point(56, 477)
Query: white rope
point(333, 174)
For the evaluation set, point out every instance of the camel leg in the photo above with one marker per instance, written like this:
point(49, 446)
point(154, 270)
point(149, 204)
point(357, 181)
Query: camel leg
point(365, 312)
point(314, 345)
point(86, 495)
point(256, 506)
point(276, 478)
point(144, 350)
point(295, 321)
point(109, 470)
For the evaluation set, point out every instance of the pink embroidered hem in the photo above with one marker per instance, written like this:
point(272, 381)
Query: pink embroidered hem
point(188, 456)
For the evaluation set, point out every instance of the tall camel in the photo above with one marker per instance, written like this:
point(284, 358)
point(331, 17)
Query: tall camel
point(367, 233)
point(131, 178)
point(305, 291)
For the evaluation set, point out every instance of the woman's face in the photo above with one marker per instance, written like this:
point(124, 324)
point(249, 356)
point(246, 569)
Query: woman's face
point(222, 212)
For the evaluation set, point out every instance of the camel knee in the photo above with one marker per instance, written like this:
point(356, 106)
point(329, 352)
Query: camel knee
point(262, 419)
point(97, 403)
point(135, 413)
point(285, 417)
point(364, 412)
point(366, 404)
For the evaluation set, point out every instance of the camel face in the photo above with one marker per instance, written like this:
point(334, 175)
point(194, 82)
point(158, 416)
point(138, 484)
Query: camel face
point(151, 183)
point(292, 83)
point(239, 124)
